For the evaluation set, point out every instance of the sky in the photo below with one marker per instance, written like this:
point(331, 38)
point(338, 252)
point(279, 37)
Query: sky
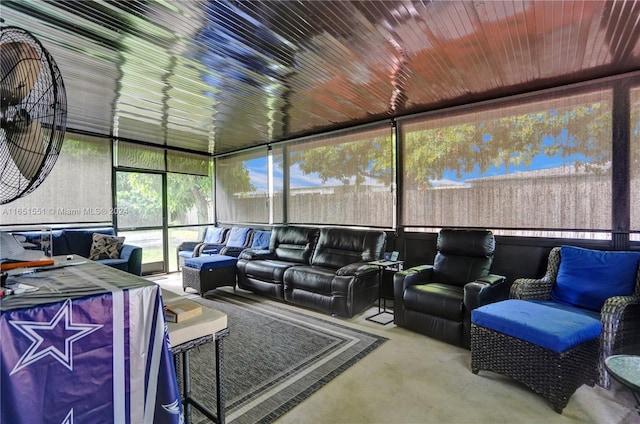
point(258, 171)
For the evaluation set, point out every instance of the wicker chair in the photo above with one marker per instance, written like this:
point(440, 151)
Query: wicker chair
point(620, 315)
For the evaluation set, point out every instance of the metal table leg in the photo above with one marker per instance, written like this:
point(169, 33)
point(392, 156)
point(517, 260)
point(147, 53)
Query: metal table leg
point(188, 400)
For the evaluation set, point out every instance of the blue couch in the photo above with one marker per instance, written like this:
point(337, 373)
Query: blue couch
point(79, 241)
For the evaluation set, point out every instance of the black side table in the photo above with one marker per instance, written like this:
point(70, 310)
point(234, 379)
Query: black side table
point(626, 369)
point(382, 301)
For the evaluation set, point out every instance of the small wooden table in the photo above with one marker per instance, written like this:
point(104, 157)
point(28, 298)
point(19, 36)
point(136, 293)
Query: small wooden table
point(193, 332)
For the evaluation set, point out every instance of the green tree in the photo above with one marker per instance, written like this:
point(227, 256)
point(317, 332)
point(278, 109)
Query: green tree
point(233, 177)
point(359, 160)
point(185, 191)
point(510, 141)
point(430, 152)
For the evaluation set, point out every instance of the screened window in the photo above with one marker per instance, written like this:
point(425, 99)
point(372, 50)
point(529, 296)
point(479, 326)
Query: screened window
point(242, 187)
point(343, 179)
point(635, 162)
point(132, 155)
point(540, 166)
point(78, 189)
point(189, 189)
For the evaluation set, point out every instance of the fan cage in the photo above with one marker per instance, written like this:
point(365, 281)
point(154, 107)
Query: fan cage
point(46, 103)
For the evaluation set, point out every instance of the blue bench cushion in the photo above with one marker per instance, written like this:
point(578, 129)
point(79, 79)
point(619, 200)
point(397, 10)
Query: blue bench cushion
point(555, 329)
point(206, 263)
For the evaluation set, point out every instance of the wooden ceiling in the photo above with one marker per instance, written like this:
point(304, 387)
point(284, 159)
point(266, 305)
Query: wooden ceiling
point(218, 77)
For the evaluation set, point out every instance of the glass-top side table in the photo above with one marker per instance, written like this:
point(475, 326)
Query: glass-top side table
point(626, 369)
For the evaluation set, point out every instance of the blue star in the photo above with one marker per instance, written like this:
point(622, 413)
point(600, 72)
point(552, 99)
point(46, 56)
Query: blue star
point(45, 344)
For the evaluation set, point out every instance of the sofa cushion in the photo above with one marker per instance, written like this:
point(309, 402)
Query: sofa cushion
point(59, 241)
point(79, 241)
point(441, 300)
point(105, 246)
point(313, 279)
point(338, 247)
point(267, 270)
point(121, 264)
point(293, 244)
point(586, 278)
point(214, 235)
point(552, 328)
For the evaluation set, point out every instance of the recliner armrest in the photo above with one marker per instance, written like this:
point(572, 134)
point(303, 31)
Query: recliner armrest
point(207, 249)
point(415, 275)
point(254, 254)
point(232, 251)
point(491, 279)
point(485, 290)
point(188, 245)
point(133, 255)
point(357, 269)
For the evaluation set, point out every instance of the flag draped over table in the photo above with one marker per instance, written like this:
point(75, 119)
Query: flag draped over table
point(103, 358)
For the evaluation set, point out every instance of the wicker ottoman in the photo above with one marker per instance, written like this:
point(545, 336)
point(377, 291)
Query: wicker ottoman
point(551, 349)
point(204, 273)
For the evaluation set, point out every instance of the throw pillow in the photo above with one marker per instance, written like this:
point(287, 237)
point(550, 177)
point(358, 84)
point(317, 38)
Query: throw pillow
point(213, 235)
point(238, 237)
point(587, 278)
point(105, 246)
point(261, 240)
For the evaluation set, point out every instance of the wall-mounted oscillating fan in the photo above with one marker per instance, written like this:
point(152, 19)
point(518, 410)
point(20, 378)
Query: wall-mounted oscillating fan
point(33, 113)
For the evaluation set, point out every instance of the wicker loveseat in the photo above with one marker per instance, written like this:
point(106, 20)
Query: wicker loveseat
point(620, 314)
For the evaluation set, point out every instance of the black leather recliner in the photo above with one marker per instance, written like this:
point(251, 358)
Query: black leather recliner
point(437, 300)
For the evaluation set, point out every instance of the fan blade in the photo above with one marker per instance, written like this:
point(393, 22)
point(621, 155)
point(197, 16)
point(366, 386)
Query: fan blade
point(19, 70)
point(26, 147)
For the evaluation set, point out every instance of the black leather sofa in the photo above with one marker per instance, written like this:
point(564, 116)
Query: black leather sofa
point(326, 269)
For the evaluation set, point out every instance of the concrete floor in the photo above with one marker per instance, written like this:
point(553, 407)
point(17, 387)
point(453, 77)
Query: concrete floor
point(412, 378)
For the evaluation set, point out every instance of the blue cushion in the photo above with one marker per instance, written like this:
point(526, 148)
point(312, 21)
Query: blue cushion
point(587, 278)
point(60, 246)
point(555, 329)
point(205, 263)
point(261, 239)
point(238, 236)
point(570, 308)
point(213, 234)
point(185, 253)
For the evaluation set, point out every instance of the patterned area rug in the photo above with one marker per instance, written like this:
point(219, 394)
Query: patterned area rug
point(274, 358)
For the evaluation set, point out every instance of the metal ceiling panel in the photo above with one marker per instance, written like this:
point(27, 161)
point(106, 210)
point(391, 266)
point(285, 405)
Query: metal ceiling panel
point(220, 76)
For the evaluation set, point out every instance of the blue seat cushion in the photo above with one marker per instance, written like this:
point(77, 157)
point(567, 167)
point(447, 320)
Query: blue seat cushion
point(553, 328)
point(186, 254)
point(587, 278)
point(206, 263)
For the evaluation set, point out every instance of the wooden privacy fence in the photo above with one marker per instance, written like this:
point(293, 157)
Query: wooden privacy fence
point(561, 202)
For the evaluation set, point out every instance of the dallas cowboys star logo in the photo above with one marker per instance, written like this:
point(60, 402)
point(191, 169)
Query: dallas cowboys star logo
point(174, 409)
point(54, 338)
